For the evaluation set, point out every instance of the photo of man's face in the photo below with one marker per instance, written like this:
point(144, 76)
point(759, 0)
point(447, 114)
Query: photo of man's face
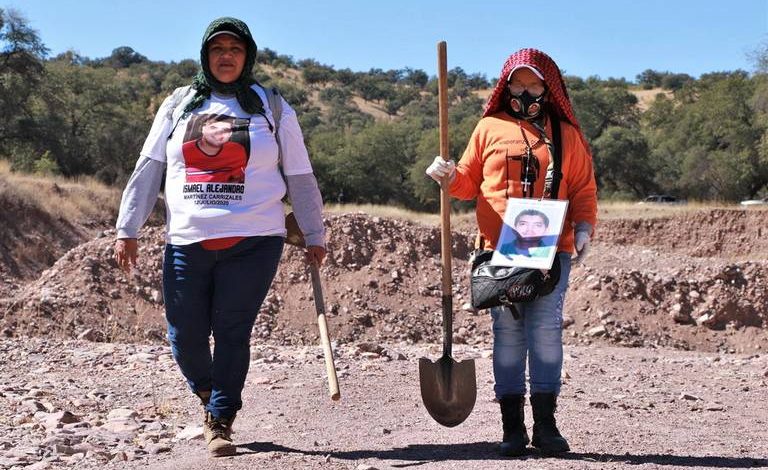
point(529, 226)
point(216, 133)
point(215, 149)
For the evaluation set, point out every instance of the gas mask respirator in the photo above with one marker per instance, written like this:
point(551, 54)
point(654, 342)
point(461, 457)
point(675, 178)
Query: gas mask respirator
point(526, 106)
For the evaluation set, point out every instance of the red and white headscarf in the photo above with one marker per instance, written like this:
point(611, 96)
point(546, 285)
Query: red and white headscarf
point(558, 95)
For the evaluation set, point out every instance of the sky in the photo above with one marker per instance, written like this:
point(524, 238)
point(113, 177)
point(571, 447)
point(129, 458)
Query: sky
point(606, 38)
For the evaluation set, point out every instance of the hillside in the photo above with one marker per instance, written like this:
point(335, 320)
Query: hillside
point(42, 218)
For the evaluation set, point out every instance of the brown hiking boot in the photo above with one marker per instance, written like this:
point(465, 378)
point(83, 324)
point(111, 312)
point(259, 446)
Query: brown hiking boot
point(218, 436)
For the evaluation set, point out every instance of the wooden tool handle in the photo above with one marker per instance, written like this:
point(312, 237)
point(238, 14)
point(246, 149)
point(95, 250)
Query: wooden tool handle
point(330, 367)
point(445, 201)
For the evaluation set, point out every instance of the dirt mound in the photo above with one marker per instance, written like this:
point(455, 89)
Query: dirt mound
point(382, 280)
point(25, 247)
point(722, 233)
point(382, 284)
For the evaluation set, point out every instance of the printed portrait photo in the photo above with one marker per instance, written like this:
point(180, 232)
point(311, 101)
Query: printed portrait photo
point(216, 149)
point(530, 233)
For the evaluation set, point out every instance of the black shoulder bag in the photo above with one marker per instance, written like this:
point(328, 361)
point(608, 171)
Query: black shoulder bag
point(492, 286)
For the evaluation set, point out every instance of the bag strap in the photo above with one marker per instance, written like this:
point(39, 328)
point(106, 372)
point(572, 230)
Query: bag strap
point(554, 169)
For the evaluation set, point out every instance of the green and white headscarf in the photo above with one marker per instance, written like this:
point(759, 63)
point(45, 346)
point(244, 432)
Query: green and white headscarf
point(204, 82)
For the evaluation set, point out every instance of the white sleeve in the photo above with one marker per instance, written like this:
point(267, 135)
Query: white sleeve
point(295, 156)
point(157, 139)
point(307, 204)
point(139, 197)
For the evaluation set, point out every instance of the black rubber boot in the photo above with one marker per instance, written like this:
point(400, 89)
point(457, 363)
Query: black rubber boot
point(546, 436)
point(513, 421)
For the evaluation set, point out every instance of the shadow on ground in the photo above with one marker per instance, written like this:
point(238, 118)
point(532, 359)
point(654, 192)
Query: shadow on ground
point(420, 454)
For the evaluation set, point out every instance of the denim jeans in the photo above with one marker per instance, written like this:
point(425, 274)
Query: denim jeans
point(536, 337)
point(217, 292)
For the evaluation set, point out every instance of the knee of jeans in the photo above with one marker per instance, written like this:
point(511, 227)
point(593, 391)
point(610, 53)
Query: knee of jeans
point(187, 339)
point(229, 330)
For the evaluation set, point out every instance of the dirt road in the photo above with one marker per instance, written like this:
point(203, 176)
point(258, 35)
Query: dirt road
point(620, 408)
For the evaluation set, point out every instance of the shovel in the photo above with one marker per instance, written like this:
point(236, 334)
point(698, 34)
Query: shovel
point(448, 387)
point(296, 238)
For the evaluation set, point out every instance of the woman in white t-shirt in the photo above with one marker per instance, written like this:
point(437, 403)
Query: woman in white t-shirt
point(224, 185)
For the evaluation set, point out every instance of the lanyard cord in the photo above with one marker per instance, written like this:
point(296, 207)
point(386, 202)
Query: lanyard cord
point(527, 176)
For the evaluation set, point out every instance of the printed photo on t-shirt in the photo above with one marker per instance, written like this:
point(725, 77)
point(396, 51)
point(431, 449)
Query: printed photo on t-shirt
point(216, 149)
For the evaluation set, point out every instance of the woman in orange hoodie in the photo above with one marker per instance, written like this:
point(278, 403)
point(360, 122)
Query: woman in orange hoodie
point(507, 157)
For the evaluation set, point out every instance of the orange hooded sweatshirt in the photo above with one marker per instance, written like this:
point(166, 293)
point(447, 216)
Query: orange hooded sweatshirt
point(490, 171)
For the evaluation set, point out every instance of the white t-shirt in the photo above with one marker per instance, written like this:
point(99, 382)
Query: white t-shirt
point(222, 177)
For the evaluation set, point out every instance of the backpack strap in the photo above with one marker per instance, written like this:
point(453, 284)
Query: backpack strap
point(276, 106)
point(180, 98)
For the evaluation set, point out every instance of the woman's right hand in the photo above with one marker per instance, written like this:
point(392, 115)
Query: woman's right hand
point(126, 253)
point(440, 168)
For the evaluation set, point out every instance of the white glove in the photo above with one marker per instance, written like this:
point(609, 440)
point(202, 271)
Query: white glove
point(581, 242)
point(440, 168)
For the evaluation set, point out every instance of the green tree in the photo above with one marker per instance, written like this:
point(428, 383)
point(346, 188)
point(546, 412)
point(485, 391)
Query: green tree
point(598, 107)
point(21, 73)
point(711, 139)
point(649, 79)
point(123, 57)
point(621, 162)
point(368, 167)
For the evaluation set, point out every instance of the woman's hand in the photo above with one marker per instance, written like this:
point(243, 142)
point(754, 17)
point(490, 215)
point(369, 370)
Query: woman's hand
point(581, 243)
point(315, 255)
point(440, 168)
point(126, 253)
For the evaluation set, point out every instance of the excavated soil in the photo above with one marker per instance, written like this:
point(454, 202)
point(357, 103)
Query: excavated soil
point(693, 281)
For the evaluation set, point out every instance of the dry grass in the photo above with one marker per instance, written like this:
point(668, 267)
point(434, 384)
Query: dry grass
point(633, 210)
point(606, 210)
point(646, 97)
point(424, 218)
point(77, 199)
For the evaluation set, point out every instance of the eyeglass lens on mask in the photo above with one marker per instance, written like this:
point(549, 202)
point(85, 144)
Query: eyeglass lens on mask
point(518, 88)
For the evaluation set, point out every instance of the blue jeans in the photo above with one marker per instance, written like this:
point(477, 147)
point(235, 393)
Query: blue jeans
point(219, 292)
point(536, 337)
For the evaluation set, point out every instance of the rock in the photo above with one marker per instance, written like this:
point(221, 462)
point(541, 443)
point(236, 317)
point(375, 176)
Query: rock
point(363, 466)
point(597, 331)
point(154, 449)
point(686, 396)
point(122, 413)
point(189, 433)
point(88, 334)
point(142, 357)
point(59, 419)
point(121, 426)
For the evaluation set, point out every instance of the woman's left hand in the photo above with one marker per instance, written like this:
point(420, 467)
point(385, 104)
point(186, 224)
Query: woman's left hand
point(315, 255)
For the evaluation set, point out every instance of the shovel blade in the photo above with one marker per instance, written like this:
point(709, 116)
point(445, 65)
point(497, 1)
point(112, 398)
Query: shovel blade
point(448, 389)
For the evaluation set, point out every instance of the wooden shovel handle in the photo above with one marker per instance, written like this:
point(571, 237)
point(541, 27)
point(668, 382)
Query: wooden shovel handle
point(445, 202)
point(330, 367)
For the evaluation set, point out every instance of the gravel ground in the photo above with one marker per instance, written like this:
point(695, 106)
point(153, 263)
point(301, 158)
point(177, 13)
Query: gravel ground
point(127, 408)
